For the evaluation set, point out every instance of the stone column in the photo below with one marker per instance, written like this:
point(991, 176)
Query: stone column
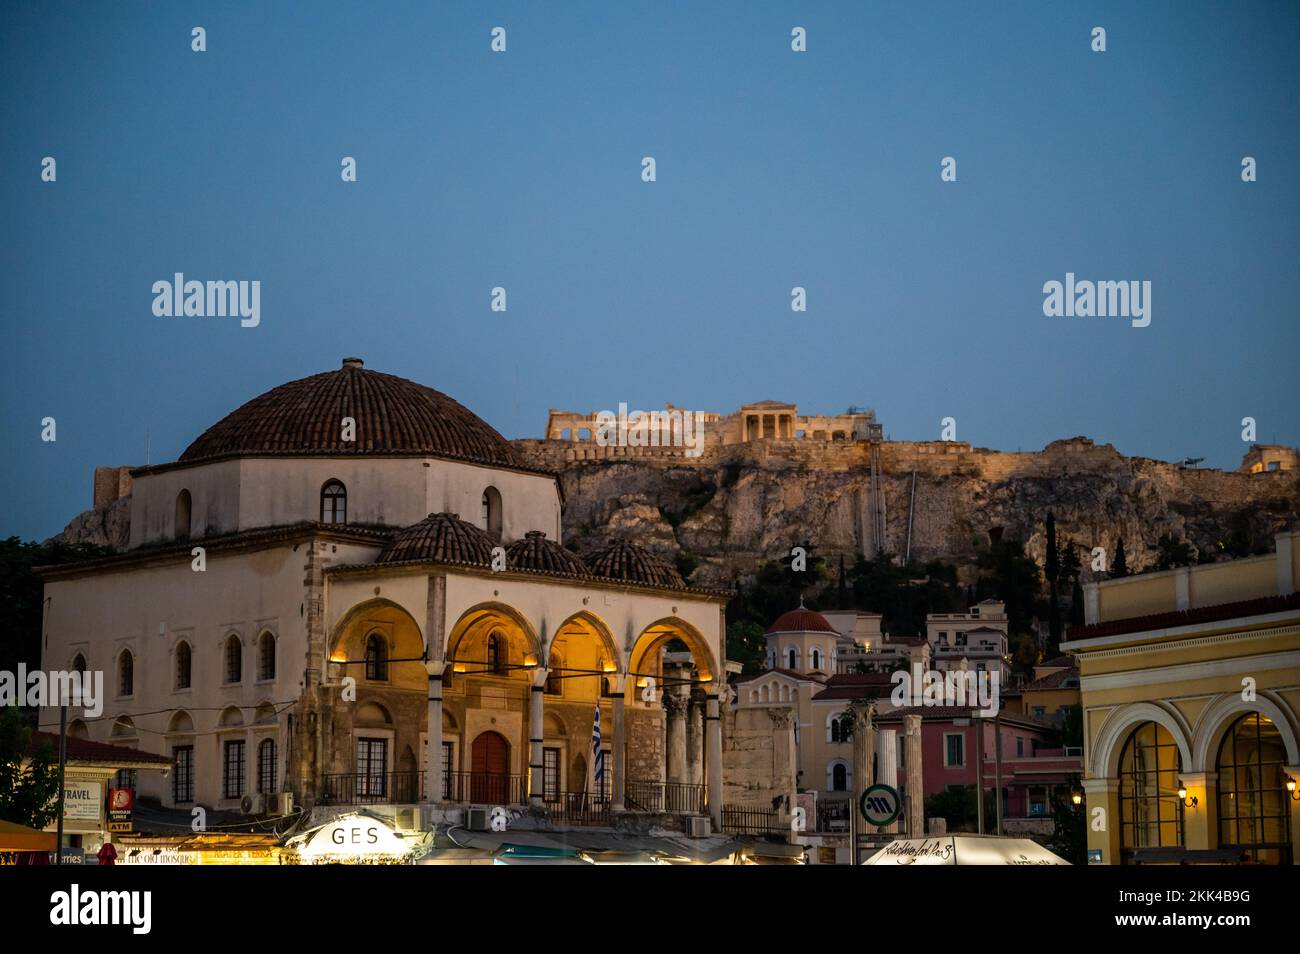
point(713, 758)
point(915, 781)
point(864, 745)
point(620, 748)
point(433, 733)
point(695, 739)
point(535, 733)
point(675, 736)
point(887, 764)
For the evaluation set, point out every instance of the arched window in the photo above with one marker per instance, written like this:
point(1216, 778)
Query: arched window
point(182, 665)
point(234, 659)
point(266, 656)
point(79, 663)
point(333, 502)
point(266, 767)
point(1150, 811)
point(817, 659)
point(496, 653)
point(376, 658)
point(490, 512)
point(1253, 803)
point(126, 673)
point(839, 777)
point(183, 515)
point(840, 727)
point(792, 658)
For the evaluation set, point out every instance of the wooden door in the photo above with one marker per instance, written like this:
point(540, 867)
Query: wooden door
point(490, 768)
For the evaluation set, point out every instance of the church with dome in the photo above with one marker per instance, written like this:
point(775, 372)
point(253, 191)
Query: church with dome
point(351, 591)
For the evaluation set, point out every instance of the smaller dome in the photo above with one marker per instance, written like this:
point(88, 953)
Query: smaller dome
point(626, 561)
point(441, 537)
point(535, 552)
point(801, 620)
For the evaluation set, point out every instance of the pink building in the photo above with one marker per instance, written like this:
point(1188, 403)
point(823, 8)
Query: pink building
point(1031, 769)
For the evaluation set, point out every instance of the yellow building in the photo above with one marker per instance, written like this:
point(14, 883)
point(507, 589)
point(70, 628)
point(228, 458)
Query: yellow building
point(1190, 681)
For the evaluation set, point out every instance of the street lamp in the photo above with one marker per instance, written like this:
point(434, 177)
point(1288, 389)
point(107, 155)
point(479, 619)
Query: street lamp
point(1182, 793)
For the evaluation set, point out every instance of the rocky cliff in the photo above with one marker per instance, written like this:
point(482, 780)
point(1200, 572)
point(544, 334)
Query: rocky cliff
point(738, 505)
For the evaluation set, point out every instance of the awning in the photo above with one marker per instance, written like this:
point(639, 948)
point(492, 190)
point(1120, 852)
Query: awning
point(964, 850)
point(15, 837)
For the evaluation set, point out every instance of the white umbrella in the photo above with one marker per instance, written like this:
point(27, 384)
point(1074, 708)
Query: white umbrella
point(964, 850)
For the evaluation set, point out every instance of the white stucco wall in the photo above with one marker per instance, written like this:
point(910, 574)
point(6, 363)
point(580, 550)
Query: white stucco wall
point(229, 496)
point(150, 609)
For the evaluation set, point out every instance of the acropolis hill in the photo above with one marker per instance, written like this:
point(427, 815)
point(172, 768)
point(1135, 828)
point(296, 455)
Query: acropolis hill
point(768, 478)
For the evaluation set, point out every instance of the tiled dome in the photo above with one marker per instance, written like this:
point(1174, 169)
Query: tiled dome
point(625, 561)
point(441, 537)
point(535, 552)
point(392, 414)
point(801, 620)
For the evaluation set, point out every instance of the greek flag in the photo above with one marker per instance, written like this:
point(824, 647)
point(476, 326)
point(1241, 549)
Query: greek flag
point(597, 755)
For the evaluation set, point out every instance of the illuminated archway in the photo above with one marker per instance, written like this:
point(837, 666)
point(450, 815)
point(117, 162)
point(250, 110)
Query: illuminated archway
point(472, 649)
point(401, 637)
point(646, 658)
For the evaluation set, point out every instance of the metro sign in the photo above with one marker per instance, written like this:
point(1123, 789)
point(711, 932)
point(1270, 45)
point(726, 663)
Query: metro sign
point(880, 805)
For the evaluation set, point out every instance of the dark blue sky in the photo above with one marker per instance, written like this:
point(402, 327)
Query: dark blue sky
point(775, 169)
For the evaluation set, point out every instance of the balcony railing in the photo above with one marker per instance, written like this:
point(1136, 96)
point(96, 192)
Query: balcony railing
point(360, 788)
point(678, 798)
point(752, 821)
point(485, 788)
point(579, 808)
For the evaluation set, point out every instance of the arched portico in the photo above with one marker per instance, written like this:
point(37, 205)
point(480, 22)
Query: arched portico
point(379, 647)
point(1106, 750)
point(1219, 716)
point(648, 681)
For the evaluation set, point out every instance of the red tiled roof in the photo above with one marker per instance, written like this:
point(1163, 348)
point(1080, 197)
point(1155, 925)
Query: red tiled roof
point(625, 561)
point(1064, 661)
point(535, 552)
point(84, 750)
point(1192, 617)
point(440, 536)
point(392, 414)
point(1053, 680)
point(858, 685)
point(801, 620)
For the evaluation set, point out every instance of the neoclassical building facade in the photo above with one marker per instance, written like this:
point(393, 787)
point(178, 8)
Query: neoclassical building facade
point(1190, 682)
point(350, 591)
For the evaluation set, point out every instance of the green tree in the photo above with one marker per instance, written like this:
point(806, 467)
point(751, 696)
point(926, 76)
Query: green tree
point(956, 805)
point(1053, 573)
point(1069, 837)
point(1119, 565)
point(1173, 553)
point(21, 595)
point(747, 645)
point(29, 786)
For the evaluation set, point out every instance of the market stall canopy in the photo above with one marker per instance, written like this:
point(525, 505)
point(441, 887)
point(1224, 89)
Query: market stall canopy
point(15, 837)
point(964, 850)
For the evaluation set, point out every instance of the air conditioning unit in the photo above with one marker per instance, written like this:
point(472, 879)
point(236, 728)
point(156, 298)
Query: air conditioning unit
point(698, 826)
point(476, 819)
point(280, 803)
point(253, 805)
